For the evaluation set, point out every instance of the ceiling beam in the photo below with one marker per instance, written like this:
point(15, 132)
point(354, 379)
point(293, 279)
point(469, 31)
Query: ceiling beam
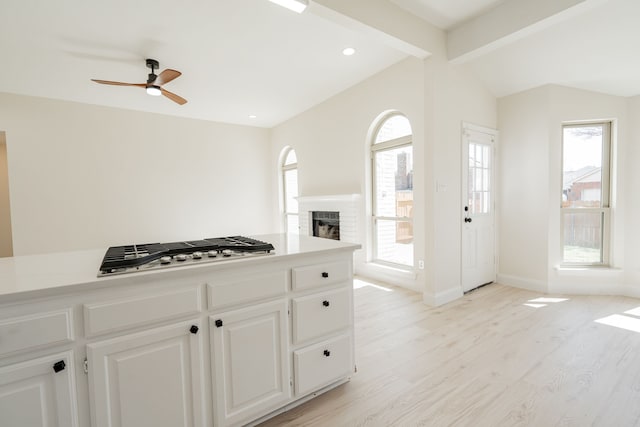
point(508, 22)
point(385, 21)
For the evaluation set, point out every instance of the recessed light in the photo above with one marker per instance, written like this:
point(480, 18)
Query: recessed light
point(253, 116)
point(348, 51)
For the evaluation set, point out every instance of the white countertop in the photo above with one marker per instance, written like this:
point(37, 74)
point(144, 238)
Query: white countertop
point(39, 275)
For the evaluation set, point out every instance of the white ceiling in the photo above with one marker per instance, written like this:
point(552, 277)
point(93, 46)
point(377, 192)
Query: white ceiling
point(238, 57)
point(597, 50)
point(252, 57)
point(446, 13)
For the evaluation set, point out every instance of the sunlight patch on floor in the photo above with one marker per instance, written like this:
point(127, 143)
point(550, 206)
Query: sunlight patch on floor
point(622, 322)
point(359, 283)
point(633, 311)
point(543, 302)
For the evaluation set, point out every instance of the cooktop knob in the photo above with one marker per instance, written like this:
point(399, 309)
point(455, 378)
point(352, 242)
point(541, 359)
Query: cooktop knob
point(212, 254)
point(165, 260)
point(196, 255)
point(181, 257)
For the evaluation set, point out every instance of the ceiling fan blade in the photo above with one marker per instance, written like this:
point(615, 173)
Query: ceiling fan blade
point(107, 82)
point(172, 96)
point(166, 76)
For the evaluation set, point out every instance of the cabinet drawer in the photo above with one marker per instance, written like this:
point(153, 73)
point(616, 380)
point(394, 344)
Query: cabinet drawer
point(239, 289)
point(124, 313)
point(318, 314)
point(321, 364)
point(321, 274)
point(36, 330)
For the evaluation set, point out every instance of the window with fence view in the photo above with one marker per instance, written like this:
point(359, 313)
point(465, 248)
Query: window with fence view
point(392, 155)
point(585, 193)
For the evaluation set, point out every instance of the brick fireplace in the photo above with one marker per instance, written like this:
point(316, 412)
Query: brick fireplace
point(334, 217)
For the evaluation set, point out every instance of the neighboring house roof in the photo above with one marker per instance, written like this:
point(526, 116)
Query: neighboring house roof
point(585, 174)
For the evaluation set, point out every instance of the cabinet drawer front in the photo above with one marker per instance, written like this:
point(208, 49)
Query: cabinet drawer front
point(319, 314)
point(115, 315)
point(236, 290)
point(321, 364)
point(29, 332)
point(313, 276)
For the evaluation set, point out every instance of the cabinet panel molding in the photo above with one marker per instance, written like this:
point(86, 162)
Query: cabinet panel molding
point(38, 330)
point(33, 394)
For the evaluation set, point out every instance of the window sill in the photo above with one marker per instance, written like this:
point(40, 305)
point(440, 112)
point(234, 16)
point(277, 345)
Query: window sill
point(566, 270)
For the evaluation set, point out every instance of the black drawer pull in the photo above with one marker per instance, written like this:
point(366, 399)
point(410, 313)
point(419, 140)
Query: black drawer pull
point(218, 323)
point(194, 329)
point(59, 366)
point(327, 353)
point(325, 274)
point(326, 303)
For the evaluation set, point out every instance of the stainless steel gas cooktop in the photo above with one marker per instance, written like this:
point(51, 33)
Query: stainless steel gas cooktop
point(148, 256)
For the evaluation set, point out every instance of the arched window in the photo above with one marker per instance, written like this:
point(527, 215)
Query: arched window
point(289, 169)
point(392, 198)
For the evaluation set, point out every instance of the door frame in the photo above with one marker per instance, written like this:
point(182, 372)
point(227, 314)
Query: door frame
point(467, 127)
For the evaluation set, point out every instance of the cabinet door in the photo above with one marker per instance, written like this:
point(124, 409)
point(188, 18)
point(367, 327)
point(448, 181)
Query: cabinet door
point(153, 378)
point(250, 362)
point(39, 393)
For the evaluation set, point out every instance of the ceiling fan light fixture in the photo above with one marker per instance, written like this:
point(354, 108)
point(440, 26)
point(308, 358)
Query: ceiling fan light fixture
point(296, 5)
point(154, 90)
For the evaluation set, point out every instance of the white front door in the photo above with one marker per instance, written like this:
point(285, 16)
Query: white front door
point(478, 219)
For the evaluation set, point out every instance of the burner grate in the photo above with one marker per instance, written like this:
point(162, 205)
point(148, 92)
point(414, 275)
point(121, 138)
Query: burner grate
point(132, 256)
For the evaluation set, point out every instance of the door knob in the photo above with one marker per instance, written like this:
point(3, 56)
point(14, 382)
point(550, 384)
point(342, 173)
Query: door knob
point(468, 220)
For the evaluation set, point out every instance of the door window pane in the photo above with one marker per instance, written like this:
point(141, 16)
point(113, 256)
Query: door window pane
point(479, 178)
point(583, 237)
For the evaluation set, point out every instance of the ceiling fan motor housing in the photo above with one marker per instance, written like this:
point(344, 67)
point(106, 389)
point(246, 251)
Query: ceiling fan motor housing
point(154, 65)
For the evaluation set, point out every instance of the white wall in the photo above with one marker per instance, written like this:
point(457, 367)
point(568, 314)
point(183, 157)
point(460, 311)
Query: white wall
point(523, 189)
point(632, 201)
point(6, 240)
point(531, 141)
point(453, 96)
point(84, 176)
point(332, 143)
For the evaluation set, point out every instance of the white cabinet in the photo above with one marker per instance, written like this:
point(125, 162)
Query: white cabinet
point(39, 393)
point(154, 378)
point(322, 325)
point(321, 313)
point(320, 364)
point(250, 362)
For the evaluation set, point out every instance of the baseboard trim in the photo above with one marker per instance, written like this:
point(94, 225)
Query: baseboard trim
point(442, 298)
point(523, 283)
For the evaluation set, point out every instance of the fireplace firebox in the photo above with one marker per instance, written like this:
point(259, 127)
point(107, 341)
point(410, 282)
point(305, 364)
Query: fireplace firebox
point(326, 224)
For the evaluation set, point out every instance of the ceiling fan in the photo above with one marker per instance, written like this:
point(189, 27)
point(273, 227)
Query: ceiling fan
point(154, 82)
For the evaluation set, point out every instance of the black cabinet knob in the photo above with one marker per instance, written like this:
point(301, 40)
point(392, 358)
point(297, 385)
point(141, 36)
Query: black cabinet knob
point(325, 274)
point(59, 366)
point(326, 303)
point(326, 353)
point(194, 329)
point(218, 323)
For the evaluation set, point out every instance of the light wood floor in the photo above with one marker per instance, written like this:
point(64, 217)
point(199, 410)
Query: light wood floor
point(484, 360)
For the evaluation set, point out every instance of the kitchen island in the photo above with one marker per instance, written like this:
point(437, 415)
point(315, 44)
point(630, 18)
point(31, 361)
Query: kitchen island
point(226, 343)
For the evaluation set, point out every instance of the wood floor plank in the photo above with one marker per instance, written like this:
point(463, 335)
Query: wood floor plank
point(496, 357)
